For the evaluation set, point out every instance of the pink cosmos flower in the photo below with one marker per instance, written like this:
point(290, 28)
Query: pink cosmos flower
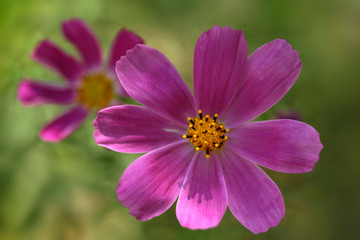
point(203, 149)
point(89, 84)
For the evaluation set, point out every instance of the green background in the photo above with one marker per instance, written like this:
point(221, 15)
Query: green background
point(67, 190)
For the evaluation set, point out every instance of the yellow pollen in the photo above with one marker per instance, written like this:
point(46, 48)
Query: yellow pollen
point(95, 91)
point(206, 133)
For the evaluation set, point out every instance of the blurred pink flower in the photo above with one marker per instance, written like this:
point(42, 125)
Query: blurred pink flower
point(288, 114)
point(89, 83)
point(202, 149)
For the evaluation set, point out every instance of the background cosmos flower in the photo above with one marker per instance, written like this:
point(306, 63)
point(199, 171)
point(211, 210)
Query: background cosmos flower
point(288, 114)
point(89, 84)
point(203, 150)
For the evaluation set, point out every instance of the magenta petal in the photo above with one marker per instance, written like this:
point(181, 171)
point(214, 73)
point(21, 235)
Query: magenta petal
point(203, 198)
point(219, 62)
point(32, 92)
point(133, 129)
point(272, 70)
point(78, 33)
point(151, 184)
point(281, 145)
point(125, 40)
point(64, 125)
point(253, 197)
point(53, 57)
point(149, 78)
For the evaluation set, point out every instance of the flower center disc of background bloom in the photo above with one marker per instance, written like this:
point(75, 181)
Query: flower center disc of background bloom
point(95, 91)
point(206, 133)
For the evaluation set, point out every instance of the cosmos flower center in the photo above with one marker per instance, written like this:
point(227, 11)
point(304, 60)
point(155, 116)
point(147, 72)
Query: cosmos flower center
point(95, 91)
point(206, 133)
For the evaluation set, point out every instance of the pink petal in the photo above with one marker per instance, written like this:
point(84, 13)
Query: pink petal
point(203, 198)
point(64, 125)
point(272, 70)
point(78, 33)
point(151, 184)
point(133, 129)
point(253, 197)
point(53, 57)
point(219, 62)
point(125, 40)
point(32, 92)
point(149, 78)
point(281, 145)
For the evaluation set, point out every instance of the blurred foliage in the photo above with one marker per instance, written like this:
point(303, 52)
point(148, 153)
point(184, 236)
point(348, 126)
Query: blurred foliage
point(67, 190)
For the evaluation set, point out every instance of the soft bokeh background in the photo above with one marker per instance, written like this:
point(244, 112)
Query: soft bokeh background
point(67, 190)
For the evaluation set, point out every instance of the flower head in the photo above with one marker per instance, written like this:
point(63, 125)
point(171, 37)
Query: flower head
point(89, 83)
point(203, 149)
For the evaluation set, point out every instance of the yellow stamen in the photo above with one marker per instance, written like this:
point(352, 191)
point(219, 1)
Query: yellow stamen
point(96, 91)
point(207, 134)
